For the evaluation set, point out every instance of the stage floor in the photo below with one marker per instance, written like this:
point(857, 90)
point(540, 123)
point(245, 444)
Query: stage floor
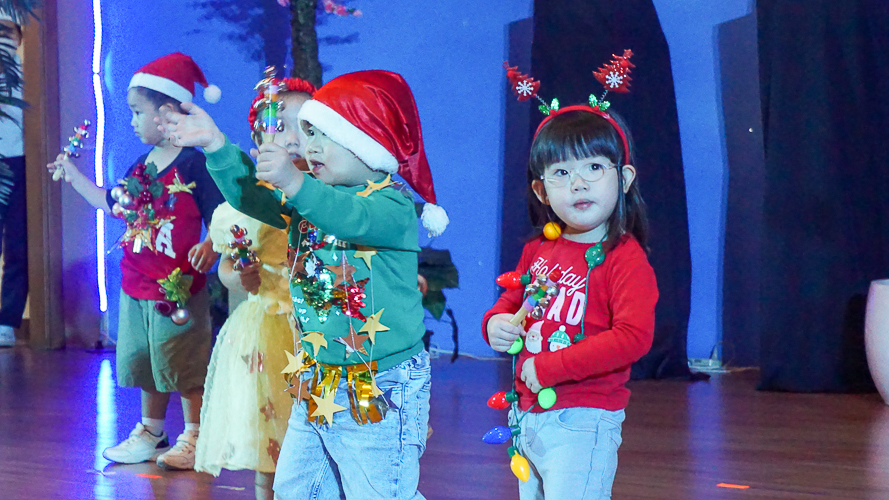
point(707, 440)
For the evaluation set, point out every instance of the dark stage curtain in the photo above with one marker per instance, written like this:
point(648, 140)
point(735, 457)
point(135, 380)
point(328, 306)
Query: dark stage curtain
point(571, 40)
point(824, 70)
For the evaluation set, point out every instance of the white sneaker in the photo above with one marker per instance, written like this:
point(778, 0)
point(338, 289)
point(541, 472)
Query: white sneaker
point(180, 456)
point(7, 336)
point(141, 446)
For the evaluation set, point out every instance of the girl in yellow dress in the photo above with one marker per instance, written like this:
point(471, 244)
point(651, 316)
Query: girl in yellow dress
point(245, 409)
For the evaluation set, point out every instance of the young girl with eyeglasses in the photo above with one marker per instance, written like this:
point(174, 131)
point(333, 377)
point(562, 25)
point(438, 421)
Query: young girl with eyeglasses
point(601, 320)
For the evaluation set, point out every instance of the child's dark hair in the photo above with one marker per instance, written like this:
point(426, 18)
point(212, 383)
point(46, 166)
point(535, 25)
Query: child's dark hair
point(578, 135)
point(158, 99)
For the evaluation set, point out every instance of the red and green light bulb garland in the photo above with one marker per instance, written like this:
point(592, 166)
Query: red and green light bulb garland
point(539, 291)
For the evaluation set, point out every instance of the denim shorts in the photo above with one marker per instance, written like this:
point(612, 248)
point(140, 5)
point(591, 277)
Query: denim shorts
point(572, 453)
point(372, 461)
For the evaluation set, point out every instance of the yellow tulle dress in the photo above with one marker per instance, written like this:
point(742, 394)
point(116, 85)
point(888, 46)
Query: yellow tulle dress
point(245, 409)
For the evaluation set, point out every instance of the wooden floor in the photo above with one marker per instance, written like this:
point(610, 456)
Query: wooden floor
point(59, 410)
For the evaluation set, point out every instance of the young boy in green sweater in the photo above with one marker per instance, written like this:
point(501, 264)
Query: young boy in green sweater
point(353, 238)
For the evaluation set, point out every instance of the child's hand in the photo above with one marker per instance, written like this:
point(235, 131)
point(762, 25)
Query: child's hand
point(62, 164)
point(529, 376)
point(274, 165)
point(196, 129)
point(250, 278)
point(202, 257)
point(502, 333)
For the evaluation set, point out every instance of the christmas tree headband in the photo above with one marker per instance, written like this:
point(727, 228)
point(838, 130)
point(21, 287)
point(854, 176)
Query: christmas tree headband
point(614, 76)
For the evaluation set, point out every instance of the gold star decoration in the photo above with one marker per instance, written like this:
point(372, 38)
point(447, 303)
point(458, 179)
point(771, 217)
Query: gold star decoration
point(375, 186)
point(365, 253)
point(343, 272)
point(140, 238)
point(293, 362)
point(268, 410)
point(373, 325)
point(178, 187)
point(274, 449)
point(300, 392)
point(353, 342)
point(326, 407)
point(317, 340)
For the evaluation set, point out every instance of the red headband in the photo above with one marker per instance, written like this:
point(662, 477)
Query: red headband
point(597, 111)
point(614, 76)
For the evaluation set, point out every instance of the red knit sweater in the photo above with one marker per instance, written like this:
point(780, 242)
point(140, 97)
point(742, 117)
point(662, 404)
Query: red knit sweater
point(619, 322)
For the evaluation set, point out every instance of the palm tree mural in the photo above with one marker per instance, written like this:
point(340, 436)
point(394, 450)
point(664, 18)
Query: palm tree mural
point(10, 73)
point(261, 29)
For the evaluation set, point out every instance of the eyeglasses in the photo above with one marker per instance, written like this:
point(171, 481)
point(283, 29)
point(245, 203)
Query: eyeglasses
point(591, 172)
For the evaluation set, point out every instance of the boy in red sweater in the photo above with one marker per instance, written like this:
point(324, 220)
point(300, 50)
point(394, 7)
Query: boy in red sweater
point(584, 341)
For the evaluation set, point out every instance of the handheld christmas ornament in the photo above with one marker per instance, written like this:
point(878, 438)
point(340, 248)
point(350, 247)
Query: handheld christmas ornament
point(74, 142)
point(538, 296)
point(242, 254)
point(268, 106)
point(270, 97)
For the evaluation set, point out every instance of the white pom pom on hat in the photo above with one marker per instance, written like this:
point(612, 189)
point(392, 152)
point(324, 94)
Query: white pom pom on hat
point(434, 219)
point(175, 75)
point(212, 94)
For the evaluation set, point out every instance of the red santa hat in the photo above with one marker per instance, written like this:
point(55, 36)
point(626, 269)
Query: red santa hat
point(175, 75)
point(373, 115)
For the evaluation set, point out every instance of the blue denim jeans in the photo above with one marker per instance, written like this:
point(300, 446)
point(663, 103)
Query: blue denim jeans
point(356, 462)
point(572, 453)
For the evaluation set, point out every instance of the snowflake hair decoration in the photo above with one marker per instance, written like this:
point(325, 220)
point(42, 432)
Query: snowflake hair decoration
point(614, 76)
point(526, 87)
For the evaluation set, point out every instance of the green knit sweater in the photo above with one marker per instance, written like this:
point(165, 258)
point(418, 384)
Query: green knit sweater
point(385, 221)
